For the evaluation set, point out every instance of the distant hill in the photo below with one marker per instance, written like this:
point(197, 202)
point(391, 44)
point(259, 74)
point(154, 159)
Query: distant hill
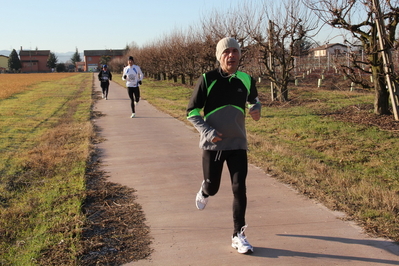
point(62, 57)
point(5, 52)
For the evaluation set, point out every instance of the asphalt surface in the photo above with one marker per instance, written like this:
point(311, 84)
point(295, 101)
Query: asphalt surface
point(159, 157)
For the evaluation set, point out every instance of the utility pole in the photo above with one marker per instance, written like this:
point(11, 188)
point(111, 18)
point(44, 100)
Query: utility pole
point(387, 59)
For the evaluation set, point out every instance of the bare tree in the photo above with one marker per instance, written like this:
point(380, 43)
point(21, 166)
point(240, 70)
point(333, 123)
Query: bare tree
point(117, 64)
point(148, 55)
point(195, 54)
point(359, 19)
point(185, 55)
point(153, 58)
point(227, 24)
point(277, 30)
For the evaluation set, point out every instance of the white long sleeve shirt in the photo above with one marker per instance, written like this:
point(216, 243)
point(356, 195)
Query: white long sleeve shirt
point(133, 75)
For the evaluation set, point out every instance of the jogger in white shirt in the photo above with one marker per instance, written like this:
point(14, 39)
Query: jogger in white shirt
point(133, 76)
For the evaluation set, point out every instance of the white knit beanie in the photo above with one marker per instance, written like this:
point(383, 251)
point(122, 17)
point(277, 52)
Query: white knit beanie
point(225, 43)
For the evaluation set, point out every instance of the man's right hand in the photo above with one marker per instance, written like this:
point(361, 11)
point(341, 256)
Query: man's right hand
point(217, 138)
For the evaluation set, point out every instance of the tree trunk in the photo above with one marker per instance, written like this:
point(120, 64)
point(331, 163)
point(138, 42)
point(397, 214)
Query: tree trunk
point(283, 93)
point(381, 100)
point(191, 80)
point(283, 88)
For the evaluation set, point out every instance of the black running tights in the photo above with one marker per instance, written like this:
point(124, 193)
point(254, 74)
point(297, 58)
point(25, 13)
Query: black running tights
point(104, 88)
point(134, 95)
point(237, 163)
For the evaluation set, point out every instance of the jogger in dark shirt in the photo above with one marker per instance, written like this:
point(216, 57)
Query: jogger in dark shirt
point(104, 77)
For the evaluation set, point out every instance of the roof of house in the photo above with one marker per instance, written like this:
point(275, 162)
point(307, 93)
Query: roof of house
point(326, 46)
point(34, 52)
point(3, 56)
point(109, 52)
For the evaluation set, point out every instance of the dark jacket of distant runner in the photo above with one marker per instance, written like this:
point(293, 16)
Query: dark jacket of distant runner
point(104, 76)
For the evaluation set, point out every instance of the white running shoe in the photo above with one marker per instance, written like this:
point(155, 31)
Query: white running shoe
point(102, 95)
point(133, 115)
point(136, 103)
point(200, 200)
point(240, 242)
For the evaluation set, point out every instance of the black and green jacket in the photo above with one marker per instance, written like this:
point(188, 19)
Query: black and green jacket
point(223, 100)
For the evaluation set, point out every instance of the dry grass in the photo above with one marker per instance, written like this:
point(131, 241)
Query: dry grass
point(331, 147)
point(56, 207)
point(16, 83)
point(43, 167)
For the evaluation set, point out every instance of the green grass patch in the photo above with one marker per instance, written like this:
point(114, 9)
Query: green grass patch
point(44, 146)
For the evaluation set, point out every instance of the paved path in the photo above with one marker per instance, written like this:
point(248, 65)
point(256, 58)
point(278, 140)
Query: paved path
point(159, 157)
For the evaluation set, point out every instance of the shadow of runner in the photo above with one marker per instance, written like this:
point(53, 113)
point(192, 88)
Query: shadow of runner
point(384, 245)
point(278, 253)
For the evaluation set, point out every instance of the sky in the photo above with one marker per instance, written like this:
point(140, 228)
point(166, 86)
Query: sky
point(64, 26)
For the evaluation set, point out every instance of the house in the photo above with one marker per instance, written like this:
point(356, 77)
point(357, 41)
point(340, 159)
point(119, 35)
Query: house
point(80, 66)
point(92, 58)
point(3, 63)
point(34, 60)
point(335, 49)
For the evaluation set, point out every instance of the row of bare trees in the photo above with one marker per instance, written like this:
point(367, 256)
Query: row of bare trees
point(264, 30)
point(272, 35)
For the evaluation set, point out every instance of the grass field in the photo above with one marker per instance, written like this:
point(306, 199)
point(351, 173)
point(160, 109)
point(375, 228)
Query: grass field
point(15, 83)
point(45, 142)
point(349, 166)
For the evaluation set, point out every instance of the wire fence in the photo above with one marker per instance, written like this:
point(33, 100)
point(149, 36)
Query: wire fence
point(332, 64)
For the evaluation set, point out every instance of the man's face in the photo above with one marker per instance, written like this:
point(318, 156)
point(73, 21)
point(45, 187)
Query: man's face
point(229, 60)
point(130, 62)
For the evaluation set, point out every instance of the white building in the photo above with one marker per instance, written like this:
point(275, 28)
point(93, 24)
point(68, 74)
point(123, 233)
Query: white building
point(335, 49)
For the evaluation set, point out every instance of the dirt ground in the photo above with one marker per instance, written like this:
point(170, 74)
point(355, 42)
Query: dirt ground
point(357, 114)
point(115, 232)
point(364, 115)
